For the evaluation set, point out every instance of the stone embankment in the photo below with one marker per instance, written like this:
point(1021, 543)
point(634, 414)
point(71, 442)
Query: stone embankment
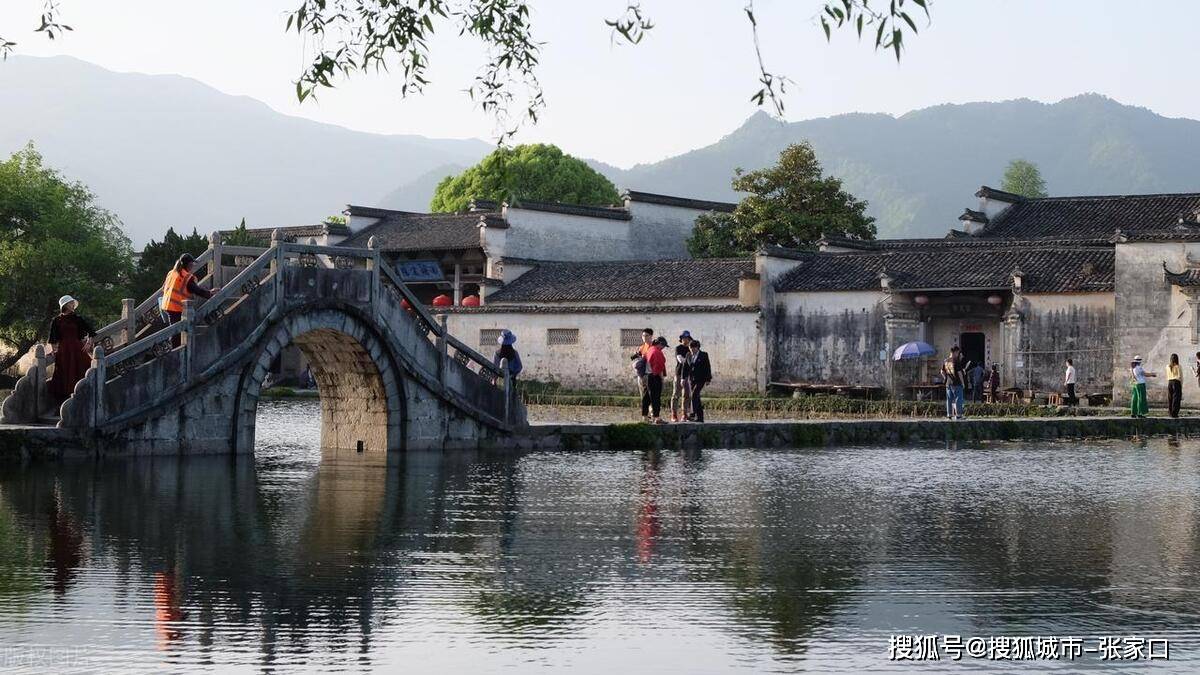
point(50, 443)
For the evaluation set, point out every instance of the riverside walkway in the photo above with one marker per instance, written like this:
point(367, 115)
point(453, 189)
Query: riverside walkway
point(391, 377)
point(34, 442)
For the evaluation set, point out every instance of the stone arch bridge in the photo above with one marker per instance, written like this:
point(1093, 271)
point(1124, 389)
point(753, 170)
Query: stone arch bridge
point(389, 375)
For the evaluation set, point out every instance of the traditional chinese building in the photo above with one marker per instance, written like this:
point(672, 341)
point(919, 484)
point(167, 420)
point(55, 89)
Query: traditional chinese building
point(1022, 283)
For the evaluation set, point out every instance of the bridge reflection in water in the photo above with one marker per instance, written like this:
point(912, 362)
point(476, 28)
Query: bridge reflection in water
point(594, 561)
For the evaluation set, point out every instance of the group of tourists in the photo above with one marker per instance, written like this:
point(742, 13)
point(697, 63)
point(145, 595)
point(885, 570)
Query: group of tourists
point(959, 374)
point(70, 335)
point(1138, 403)
point(693, 372)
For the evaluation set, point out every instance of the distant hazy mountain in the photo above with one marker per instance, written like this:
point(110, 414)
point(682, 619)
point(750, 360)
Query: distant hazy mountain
point(416, 195)
point(169, 151)
point(920, 169)
point(163, 150)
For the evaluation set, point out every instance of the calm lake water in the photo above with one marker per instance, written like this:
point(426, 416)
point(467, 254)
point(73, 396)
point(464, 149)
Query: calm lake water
point(713, 561)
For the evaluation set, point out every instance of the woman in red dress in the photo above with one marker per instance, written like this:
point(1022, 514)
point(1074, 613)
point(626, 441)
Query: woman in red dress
point(70, 338)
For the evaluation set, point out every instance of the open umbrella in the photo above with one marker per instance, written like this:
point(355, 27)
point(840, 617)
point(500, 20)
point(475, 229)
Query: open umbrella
point(913, 350)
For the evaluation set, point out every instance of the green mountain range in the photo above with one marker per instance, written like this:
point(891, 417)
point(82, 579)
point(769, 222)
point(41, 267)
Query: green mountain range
point(165, 150)
point(919, 170)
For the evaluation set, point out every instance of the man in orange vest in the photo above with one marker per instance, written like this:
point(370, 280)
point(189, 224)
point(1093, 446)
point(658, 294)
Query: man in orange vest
point(180, 285)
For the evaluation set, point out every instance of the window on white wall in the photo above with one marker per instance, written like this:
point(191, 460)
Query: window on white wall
point(631, 337)
point(489, 336)
point(562, 336)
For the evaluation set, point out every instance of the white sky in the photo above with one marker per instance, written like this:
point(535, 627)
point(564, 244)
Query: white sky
point(686, 85)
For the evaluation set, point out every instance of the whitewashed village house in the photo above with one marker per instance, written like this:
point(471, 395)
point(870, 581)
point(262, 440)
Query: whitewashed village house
point(1021, 283)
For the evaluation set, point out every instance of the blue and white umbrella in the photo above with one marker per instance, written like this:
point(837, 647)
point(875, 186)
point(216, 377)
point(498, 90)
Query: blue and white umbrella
point(913, 350)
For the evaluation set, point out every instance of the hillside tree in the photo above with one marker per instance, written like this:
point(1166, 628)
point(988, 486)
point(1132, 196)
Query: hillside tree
point(1023, 178)
point(791, 204)
point(535, 172)
point(344, 38)
point(55, 240)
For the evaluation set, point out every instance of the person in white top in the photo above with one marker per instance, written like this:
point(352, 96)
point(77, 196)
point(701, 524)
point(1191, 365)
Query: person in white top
point(1137, 380)
point(1069, 382)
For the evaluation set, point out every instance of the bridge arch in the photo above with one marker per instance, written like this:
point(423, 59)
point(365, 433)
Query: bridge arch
point(359, 380)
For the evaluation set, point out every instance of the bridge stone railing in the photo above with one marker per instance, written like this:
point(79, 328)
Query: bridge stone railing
point(138, 375)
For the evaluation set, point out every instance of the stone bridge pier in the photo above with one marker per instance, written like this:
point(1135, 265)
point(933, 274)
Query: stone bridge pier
point(389, 376)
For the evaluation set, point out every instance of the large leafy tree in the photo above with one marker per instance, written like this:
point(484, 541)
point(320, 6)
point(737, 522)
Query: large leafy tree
point(790, 204)
point(54, 241)
point(346, 37)
point(538, 172)
point(1023, 178)
point(159, 257)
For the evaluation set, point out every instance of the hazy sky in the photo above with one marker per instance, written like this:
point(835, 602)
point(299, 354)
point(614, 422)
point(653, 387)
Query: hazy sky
point(686, 85)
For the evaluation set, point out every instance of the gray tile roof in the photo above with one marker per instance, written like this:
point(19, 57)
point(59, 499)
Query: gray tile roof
point(626, 280)
point(610, 212)
point(962, 240)
point(1189, 278)
point(1153, 217)
point(294, 233)
point(402, 231)
point(684, 202)
point(1044, 269)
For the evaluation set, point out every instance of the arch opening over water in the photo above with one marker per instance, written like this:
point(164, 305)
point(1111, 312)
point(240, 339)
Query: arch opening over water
point(359, 384)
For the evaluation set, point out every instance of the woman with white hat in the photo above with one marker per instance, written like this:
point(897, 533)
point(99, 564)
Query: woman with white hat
point(71, 340)
point(1137, 380)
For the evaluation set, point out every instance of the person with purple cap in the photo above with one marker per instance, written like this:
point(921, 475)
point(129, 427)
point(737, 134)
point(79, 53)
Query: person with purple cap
point(506, 351)
point(681, 386)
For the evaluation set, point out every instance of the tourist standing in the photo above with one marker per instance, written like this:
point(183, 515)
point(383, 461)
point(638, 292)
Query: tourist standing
point(179, 286)
point(680, 387)
point(1196, 369)
point(701, 375)
point(1174, 386)
point(952, 372)
point(656, 370)
point(70, 340)
point(1137, 380)
point(1069, 382)
point(639, 362)
point(506, 351)
point(978, 373)
point(994, 383)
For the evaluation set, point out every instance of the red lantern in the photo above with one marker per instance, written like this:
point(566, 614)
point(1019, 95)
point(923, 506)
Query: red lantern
point(443, 300)
point(405, 304)
point(471, 301)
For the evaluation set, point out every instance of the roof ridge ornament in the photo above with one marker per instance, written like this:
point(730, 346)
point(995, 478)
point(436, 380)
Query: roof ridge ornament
point(1119, 237)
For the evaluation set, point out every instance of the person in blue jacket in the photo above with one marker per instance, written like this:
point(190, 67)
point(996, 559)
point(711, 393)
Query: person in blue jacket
point(506, 351)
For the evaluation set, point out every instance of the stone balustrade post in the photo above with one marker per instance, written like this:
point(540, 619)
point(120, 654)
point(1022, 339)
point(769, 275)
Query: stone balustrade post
point(373, 264)
point(188, 337)
point(100, 366)
point(508, 393)
point(214, 266)
point(277, 264)
point(40, 393)
point(443, 349)
point(128, 321)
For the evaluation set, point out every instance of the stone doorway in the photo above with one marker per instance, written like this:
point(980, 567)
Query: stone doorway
point(974, 347)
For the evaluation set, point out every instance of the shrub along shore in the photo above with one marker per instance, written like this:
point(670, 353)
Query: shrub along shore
point(808, 407)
